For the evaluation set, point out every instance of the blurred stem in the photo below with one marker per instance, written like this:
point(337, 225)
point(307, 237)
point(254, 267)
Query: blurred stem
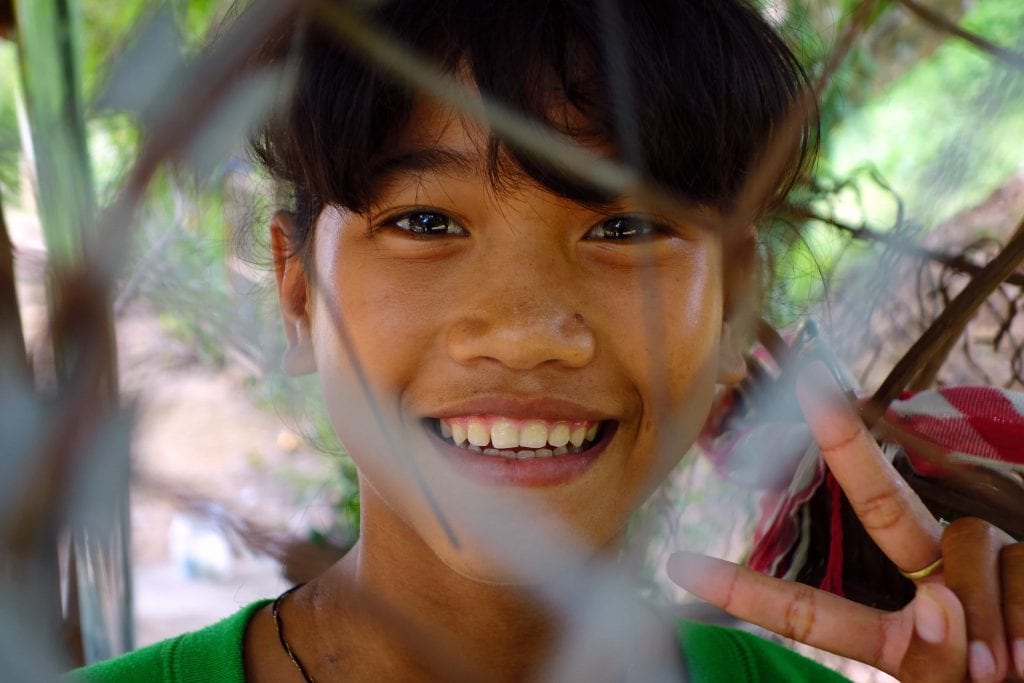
point(82, 335)
point(13, 363)
point(925, 378)
point(1006, 56)
point(49, 74)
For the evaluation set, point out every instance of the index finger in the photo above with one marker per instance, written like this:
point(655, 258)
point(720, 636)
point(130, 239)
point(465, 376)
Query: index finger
point(797, 611)
point(888, 508)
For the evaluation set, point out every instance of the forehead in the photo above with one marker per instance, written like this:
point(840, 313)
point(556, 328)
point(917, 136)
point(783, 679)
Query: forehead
point(436, 138)
point(433, 126)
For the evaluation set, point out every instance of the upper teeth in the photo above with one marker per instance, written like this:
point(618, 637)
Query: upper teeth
point(504, 433)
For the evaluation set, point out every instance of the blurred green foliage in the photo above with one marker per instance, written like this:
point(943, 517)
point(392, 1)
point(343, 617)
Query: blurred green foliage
point(10, 144)
point(900, 148)
point(948, 132)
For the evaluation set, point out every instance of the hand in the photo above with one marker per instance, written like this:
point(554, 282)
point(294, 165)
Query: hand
point(966, 621)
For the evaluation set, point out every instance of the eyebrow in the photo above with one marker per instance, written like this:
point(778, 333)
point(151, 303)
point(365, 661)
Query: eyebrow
point(452, 162)
point(427, 159)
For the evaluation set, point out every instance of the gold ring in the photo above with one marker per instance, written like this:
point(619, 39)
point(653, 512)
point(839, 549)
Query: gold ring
point(924, 573)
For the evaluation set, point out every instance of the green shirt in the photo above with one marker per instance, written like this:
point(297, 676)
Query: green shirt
point(214, 655)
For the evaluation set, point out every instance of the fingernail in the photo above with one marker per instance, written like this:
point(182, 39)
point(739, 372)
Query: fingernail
point(700, 575)
point(980, 662)
point(929, 617)
point(685, 567)
point(1018, 656)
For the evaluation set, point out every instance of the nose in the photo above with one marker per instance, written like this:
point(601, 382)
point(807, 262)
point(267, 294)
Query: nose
point(521, 329)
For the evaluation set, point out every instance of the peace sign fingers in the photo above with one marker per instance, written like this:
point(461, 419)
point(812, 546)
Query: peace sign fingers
point(967, 617)
point(888, 509)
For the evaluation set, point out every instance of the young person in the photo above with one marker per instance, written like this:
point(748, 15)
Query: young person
point(515, 360)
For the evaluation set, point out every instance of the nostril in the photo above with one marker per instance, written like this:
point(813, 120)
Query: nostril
point(522, 342)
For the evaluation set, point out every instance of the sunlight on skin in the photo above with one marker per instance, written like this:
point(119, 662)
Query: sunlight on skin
point(403, 330)
point(558, 322)
point(430, 335)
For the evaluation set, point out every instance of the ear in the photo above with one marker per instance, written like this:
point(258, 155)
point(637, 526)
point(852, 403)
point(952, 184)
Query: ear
point(739, 317)
point(732, 368)
point(293, 296)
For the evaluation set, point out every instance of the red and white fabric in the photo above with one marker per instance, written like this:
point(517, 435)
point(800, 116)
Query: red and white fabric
point(974, 425)
point(939, 429)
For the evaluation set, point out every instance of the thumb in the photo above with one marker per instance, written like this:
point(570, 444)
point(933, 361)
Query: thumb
point(938, 644)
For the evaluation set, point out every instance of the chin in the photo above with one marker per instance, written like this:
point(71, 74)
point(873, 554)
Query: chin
point(531, 550)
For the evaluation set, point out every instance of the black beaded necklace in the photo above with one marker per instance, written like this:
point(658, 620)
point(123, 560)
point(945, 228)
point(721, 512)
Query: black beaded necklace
point(275, 610)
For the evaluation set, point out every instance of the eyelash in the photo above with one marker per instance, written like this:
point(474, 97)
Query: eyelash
point(634, 229)
point(629, 228)
point(421, 231)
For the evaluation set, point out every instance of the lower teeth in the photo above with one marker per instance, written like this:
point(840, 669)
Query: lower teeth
point(525, 454)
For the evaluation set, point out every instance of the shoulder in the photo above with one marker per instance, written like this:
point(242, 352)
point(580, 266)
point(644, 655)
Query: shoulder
point(210, 654)
point(715, 653)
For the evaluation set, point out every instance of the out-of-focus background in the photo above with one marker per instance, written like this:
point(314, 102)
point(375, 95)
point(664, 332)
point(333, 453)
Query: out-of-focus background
point(922, 142)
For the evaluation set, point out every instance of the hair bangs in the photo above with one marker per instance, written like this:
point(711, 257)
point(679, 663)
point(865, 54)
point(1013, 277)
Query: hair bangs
point(692, 90)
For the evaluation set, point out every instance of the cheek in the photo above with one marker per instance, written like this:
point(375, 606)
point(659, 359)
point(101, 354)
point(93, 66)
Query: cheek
point(373, 329)
point(372, 316)
point(679, 329)
point(673, 321)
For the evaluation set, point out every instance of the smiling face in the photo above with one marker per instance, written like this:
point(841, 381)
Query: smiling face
point(525, 353)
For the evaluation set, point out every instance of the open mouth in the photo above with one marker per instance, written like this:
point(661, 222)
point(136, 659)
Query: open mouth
point(517, 439)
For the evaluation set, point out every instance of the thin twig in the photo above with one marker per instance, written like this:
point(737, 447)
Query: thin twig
point(930, 16)
point(143, 269)
point(957, 262)
point(950, 323)
point(757, 191)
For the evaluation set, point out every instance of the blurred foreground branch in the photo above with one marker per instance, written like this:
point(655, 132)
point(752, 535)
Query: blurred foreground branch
point(1008, 57)
point(13, 363)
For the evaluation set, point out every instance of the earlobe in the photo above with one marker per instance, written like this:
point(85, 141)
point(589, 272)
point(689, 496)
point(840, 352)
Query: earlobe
point(293, 296)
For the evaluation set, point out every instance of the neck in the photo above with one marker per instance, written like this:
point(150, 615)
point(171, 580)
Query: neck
point(480, 629)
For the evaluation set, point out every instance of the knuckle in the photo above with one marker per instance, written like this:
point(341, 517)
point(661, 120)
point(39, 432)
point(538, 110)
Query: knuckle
point(1011, 559)
point(889, 646)
point(800, 615)
point(842, 441)
point(968, 530)
point(882, 511)
point(731, 597)
point(970, 525)
point(1013, 556)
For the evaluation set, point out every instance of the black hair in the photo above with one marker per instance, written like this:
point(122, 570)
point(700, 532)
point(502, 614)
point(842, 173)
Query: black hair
point(711, 83)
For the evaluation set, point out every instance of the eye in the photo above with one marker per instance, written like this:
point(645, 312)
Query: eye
point(623, 229)
point(427, 223)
